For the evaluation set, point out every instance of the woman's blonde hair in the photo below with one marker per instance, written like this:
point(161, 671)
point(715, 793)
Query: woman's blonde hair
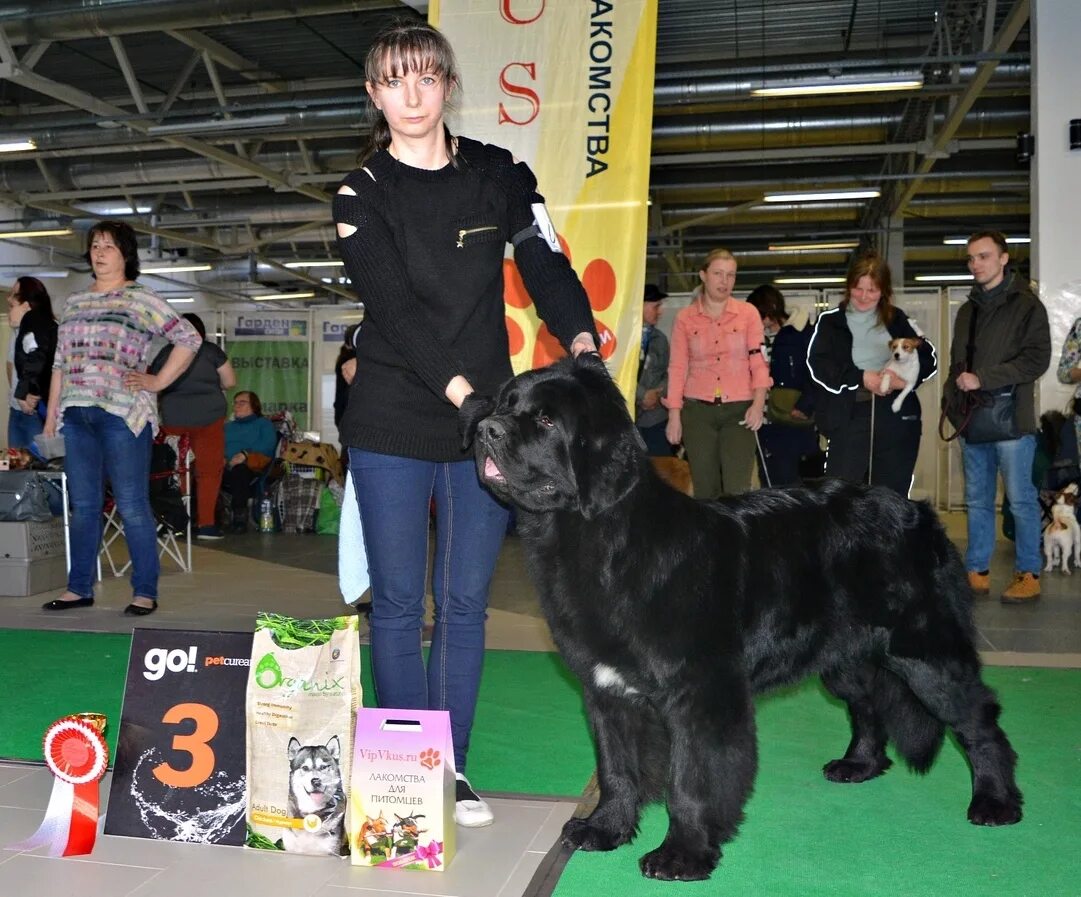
point(872, 265)
point(714, 255)
point(407, 46)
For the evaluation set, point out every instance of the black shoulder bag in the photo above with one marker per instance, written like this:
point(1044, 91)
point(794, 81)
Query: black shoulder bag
point(986, 415)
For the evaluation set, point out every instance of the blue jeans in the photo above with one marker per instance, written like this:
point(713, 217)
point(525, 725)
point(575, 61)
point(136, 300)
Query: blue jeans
point(394, 495)
point(22, 428)
point(982, 463)
point(99, 445)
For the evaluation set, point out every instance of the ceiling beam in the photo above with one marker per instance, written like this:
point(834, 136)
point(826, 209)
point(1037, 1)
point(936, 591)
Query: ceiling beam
point(72, 96)
point(233, 61)
point(1015, 21)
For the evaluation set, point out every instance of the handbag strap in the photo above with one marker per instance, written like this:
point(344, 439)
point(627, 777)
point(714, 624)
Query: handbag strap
point(970, 349)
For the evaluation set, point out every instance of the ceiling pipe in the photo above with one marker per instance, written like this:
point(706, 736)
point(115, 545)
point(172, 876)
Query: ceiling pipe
point(74, 19)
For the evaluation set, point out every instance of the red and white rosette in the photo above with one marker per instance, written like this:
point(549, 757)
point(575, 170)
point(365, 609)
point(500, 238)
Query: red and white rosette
point(77, 755)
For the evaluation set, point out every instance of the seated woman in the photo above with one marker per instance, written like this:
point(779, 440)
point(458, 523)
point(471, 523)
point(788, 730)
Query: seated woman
point(250, 441)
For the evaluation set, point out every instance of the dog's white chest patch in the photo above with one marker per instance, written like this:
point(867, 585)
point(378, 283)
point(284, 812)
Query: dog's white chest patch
point(608, 677)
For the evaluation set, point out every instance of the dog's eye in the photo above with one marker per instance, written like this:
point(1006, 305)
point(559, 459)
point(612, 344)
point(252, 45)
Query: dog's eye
point(545, 421)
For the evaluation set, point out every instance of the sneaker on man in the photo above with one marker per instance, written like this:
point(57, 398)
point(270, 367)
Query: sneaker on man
point(1024, 589)
point(469, 810)
point(979, 581)
point(211, 533)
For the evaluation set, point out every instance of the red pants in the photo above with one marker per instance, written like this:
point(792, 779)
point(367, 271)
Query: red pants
point(208, 443)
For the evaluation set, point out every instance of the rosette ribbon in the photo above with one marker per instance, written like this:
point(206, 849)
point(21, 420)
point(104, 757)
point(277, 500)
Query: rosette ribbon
point(77, 756)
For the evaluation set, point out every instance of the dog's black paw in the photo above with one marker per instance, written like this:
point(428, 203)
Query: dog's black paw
point(853, 771)
point(581, 834)
point(988, 810)
point(669, 863)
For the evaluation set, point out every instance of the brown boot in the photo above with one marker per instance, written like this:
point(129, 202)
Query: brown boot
point(1024, 589)
point(980, 583)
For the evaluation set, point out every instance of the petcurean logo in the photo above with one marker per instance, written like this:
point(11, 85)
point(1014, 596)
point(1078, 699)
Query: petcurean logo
point(269, 675)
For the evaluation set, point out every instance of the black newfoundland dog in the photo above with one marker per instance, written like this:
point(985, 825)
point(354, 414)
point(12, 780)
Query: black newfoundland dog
point(675, 612)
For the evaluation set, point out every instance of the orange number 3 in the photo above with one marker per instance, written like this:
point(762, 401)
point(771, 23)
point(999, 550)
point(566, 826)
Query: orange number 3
point(196, 744)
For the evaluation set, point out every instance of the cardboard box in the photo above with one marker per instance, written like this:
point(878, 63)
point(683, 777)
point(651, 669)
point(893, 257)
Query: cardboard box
point(31, 540)
point(26, 577)
point(401, 803)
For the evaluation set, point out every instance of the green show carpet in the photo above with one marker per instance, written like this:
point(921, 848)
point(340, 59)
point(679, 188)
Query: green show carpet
point(900, 835)
point(528, 703)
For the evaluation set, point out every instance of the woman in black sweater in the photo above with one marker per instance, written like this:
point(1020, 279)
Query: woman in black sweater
point(848, 351)
point(422, 227)
point(30, 313)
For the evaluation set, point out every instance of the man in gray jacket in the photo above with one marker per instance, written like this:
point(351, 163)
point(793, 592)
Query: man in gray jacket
point(650, 416)
point(1011, 347)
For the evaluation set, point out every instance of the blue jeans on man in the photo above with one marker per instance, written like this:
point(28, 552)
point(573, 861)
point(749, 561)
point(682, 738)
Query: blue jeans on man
point(982, 464)
point(100, 446)
point(394, 495)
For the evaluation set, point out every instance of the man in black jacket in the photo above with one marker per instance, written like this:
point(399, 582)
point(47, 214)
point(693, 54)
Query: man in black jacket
point(1011, 346)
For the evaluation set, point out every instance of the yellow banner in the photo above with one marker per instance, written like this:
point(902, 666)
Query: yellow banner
point(567, 86)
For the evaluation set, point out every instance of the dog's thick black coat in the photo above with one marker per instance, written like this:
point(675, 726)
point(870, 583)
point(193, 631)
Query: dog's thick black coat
point(675, 612)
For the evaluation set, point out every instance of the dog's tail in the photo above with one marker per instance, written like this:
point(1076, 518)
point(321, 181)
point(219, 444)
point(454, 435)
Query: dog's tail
point(914, 730)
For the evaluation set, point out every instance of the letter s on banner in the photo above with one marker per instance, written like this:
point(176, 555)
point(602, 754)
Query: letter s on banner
point(508, 14)
point(517, 90)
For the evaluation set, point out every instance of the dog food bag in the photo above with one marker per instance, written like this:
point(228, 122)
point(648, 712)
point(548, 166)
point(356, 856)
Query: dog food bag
point(302, 700)
point(401, 814)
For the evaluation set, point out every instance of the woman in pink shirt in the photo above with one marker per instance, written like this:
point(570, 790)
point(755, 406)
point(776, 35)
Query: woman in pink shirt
point(717, 382)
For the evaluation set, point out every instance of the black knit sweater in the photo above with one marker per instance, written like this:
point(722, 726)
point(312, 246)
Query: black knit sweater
point(427, 262)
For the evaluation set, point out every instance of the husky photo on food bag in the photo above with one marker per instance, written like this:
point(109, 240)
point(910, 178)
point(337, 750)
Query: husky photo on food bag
point(303, 695)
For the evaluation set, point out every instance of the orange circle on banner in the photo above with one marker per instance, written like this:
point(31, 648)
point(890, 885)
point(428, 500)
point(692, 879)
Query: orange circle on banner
point(599, 281)
point(514, 292)
point(515, 337)
point(547, 348)
point(566, 246)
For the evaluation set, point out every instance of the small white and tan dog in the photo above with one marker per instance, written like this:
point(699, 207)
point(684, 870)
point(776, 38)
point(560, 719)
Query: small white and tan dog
point(905, 363)
point(1063, 534)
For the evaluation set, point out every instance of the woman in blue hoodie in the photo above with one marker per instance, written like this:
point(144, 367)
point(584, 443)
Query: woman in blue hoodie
point(250, 443)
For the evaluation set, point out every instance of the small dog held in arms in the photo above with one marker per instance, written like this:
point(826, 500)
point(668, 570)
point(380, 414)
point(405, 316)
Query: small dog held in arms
point(1062, 537)
point(317, 797)
point(905, 363)
point(674, 613)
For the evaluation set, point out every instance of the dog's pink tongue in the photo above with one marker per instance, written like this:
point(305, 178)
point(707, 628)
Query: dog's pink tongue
point(490, 470)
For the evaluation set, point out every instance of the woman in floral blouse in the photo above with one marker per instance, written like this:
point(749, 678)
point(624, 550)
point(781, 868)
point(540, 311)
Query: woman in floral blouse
point(1069, 371)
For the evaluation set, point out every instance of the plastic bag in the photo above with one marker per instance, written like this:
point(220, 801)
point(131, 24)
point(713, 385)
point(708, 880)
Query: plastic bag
point(330, 514)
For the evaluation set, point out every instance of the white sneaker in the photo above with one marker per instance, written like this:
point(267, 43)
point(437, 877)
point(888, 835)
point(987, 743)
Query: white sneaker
point(469, 810)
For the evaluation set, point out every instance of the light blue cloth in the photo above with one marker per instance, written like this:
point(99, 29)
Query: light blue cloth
point(870, 340)
point(353, 577)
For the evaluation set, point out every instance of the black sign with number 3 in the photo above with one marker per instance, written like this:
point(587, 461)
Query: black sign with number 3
point(180, 766)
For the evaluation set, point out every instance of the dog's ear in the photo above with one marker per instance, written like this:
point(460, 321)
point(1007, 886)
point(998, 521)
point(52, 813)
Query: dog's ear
point(335, 747)
point(606, 458)
point(293, 749)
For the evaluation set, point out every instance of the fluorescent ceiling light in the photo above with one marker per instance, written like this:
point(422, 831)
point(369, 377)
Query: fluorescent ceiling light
point(19, 272)
point(822, 195)
point(181, 301)
point(17, 146)
point(327, 263)
point(175, 269)
point(840, 84)
point(283, 296)
point(811, 247)
point(54, 232)
point(812, 280)
point(938, 278)
point(963, 241)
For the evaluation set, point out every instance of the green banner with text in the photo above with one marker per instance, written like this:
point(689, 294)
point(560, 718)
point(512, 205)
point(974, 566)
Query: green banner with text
point(276, 371)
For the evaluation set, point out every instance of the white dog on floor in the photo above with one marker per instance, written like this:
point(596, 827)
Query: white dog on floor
point(905, 363)
point(1063, 534)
